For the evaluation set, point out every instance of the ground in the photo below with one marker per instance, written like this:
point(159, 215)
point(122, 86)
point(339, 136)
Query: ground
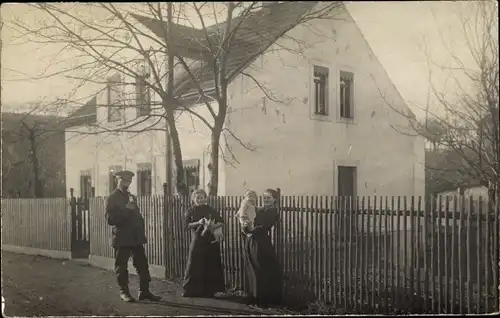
point(40, 286)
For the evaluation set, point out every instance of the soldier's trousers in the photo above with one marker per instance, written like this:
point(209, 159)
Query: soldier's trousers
point(140, 262)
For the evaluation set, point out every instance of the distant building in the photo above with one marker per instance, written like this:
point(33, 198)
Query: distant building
point(475, 196)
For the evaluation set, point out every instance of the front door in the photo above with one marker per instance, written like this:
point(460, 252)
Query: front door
point(346, 182)
point(347, 197)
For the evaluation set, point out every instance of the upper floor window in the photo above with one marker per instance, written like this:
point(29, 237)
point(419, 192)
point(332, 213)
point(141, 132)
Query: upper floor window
point(143, 96)
point(320, 101)
point(144, 179)
point(346, 94)
point(114, 110)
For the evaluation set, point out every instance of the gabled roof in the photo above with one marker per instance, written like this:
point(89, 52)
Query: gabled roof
point(254, 34)
point(85, 114)
point(89, 109)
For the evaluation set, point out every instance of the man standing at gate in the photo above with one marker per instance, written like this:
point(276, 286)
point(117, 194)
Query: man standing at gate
point(128, 238)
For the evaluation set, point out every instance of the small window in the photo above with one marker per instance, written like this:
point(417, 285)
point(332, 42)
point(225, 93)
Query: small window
point(143, 96)
point(346, 95)
point(321, 90)
point(144, 179)
point(86, 188)
point(192, 174)
point(113, 183)
point(114, 110)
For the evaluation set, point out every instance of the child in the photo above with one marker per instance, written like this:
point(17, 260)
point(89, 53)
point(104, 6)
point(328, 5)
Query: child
point(132, 202)
point(246, 213)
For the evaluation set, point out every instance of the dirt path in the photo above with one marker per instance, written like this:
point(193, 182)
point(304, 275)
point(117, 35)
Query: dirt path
point(40, 286)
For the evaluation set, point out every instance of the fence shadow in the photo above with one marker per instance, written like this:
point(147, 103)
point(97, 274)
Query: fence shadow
point(204, 308)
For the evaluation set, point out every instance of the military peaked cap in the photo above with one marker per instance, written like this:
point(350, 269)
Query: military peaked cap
point(124, 174)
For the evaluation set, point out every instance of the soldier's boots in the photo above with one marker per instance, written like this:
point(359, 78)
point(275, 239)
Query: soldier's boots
point(144, 293)
point(147, 295)
point(125, 295)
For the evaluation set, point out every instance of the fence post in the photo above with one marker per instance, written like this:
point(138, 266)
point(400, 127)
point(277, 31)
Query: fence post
point(73, 205)
point(277, 228)
point(166, 258)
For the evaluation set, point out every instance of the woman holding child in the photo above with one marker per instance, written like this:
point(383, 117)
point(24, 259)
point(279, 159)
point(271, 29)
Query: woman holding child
point(204, 274)
point(264, 273)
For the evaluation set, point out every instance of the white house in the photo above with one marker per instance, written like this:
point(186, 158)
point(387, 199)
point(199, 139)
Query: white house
point(329, 131)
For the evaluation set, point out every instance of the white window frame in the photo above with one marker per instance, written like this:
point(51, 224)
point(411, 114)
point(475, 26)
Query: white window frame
point(146, 166)
point(330, 89)
point(341, 119)
point(143, 106)
point(110, 86)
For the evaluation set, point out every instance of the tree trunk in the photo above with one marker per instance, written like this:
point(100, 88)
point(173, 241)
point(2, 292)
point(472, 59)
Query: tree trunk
point(37, 184)
point(215, 140)
point(180, 182)
point(214, 161)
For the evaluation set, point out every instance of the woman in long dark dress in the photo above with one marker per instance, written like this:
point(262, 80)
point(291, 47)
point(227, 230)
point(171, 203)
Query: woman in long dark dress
point(204, 274)
point(264, 273)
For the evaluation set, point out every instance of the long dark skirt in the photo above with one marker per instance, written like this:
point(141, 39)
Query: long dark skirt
point(204, 273)
point(264, 273)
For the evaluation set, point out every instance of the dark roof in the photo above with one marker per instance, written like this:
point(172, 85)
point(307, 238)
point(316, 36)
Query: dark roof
point(11, 120)
point(85, 114)
point(254, 34)
point(47, 123)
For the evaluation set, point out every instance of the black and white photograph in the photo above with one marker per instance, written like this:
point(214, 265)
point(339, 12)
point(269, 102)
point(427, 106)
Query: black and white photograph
point(250, 158)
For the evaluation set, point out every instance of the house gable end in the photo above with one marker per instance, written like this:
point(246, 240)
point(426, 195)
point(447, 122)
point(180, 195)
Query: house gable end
point(409, 112)
point(343, 48)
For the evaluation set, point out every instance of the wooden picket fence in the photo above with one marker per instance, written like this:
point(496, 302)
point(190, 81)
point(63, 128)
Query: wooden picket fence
point(37, 223)
point(373, 253)
point(368, 255)
point(152, 209)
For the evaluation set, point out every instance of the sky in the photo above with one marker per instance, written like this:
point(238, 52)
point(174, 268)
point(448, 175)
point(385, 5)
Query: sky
point(396, 31)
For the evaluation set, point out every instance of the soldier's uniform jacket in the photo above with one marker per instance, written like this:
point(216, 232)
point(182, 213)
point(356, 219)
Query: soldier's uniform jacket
point(128, 224)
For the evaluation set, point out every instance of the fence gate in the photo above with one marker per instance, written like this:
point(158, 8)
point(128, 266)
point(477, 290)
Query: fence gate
point(80, 228)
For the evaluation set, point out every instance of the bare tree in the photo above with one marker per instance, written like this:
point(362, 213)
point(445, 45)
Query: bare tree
point(466, 124)
point(29, 143)
point(203, 57)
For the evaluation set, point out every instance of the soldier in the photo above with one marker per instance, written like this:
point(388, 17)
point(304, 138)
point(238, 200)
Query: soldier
point(128, 238)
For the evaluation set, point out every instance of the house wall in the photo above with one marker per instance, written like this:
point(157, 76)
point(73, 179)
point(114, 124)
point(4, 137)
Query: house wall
point(300, 154)
point(98, 152)
point(89, 150)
